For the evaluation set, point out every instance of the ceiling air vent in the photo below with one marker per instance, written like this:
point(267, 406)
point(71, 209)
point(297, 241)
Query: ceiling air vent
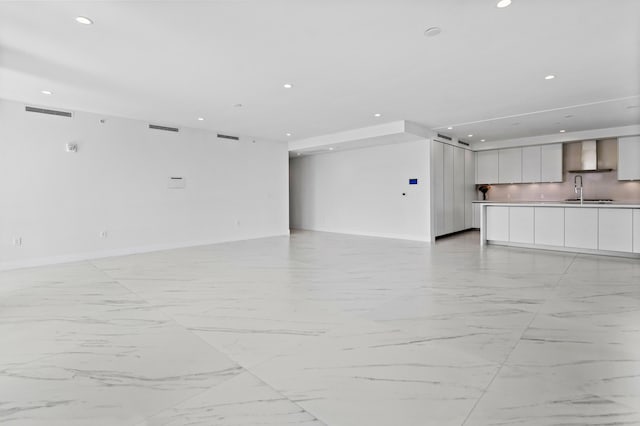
point(233, 138)
point(165, 128)
point(440, 135)
point(463, 143)
point(48, 111)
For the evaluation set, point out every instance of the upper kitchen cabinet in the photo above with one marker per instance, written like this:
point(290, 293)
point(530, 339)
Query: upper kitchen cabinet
point(551, 163)
point(531, 164)
point(487, 167)
point(629, 158)
point(510, 165)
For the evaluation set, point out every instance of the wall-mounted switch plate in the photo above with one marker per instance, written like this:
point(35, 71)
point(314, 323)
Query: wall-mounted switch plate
point(177, 182)
point(103, 234)
point(17, 241)
point(72, 147)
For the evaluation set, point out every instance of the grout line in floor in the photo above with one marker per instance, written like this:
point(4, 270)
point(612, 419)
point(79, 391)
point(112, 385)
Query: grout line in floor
point(535, 315)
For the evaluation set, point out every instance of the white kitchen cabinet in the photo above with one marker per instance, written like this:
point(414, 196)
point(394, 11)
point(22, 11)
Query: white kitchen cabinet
point(469, 187)
point(458, 189)
point(497, 223)
point(452, 188)
point(615, 229)
point(629, 158)
point(476, 215)
point(487, 167)
point(549, 226)
point(449, 188)
point(551, 163)
point(636, 230)
point(437, 164)
point(521, 225)
point(581, 228)
point(510, 165)
point(531, 164)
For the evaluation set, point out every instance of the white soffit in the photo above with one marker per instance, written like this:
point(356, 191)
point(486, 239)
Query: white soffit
point(381, 134)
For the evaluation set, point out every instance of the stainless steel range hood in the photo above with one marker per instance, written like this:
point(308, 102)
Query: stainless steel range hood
point(589, 159)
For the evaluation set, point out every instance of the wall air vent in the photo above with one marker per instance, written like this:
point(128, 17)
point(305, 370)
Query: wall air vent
point(463, 143)
point(444, 136)
point(48, 111)
point(165, 128)
point(233, 138)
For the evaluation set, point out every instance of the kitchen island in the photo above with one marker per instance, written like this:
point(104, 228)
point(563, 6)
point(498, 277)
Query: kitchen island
point(596, 228)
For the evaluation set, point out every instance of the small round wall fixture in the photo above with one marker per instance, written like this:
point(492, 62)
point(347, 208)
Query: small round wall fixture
point(83, 20)
point(432, 31)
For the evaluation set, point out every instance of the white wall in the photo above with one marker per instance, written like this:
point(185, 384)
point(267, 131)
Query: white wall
point(360, 191)
point(59, 202)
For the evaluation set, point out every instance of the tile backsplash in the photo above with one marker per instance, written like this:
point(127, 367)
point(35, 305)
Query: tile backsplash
point(596, 185)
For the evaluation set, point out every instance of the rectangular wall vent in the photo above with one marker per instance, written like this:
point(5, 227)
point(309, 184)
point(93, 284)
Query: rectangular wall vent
point(233, 138)
point(165, 128)
point(463, 143)
point(48, 111)
point(444, 136)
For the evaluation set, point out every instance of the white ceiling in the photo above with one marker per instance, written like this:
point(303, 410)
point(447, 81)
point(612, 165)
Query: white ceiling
point(173, 61)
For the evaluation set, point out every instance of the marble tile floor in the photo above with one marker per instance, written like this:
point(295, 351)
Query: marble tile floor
point(323, 329)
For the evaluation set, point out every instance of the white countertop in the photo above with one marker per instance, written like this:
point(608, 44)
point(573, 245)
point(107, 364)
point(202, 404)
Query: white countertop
point(556, 203)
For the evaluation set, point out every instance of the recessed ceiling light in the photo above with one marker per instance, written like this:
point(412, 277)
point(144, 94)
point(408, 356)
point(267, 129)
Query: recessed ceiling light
point(503, 3)
point(331, 149)
point(549, 77)
point(200, 118)
point(83, 20)
point(46, 92)
point(562, 131)
point(469, 136)
point(377, 114)
point(449, 128)
point(288, 134)
point(287, 85)
point(482, 140)
point(432, 32)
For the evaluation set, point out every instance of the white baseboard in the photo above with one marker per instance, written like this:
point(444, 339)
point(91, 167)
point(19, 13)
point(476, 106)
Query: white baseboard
point(424, 239)
point(78, 257)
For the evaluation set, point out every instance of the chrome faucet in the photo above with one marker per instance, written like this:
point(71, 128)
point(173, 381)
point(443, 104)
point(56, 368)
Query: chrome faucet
point(578, 189)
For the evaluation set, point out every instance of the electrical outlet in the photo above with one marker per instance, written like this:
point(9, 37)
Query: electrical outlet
point(17, 241)
point(103, 234)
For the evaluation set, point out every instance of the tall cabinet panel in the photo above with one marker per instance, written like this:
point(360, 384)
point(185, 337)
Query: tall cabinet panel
point(458, 189)
point(469, 186)
point(437, 163)
point(449, 188)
